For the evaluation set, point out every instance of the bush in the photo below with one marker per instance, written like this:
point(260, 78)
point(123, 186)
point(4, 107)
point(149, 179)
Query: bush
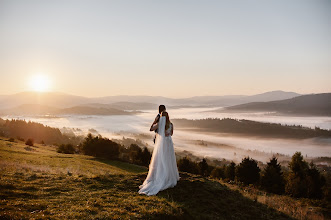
point(217, 173)
point(29, 142)
point(11, 139)
point(100, 147)
point(146, 157)
point(139, 156)
point(272, 179)
point(248, 171)
point(186, 165)
point(135, 153)
point(66, 149)
point(203, 167)
point(229, 171)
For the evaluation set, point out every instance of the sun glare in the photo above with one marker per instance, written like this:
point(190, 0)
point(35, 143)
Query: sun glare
point(39, 83)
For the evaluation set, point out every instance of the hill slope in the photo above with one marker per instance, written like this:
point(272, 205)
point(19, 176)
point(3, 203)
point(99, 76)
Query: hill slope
point(316, 104)
point(46, 184)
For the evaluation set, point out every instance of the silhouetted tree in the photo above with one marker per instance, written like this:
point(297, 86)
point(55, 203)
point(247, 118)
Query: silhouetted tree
point(146, 157)
point(248, 171)
point(315, 182)
point(296, 184)
point(186, 165)
point(230, 171)
point(304, 180)
point(203, 167)
point(135, 154)
point(66, 149)
point(272, 179)
point(217, 173)
point(100, 147)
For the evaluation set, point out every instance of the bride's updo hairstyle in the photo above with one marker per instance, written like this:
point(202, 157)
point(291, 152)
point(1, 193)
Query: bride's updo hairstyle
point(167, 119)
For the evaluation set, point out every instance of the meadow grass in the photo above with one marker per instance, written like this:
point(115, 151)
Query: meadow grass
point(38, 182)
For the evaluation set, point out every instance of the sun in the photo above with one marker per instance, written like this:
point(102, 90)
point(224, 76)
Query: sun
point(39, 83)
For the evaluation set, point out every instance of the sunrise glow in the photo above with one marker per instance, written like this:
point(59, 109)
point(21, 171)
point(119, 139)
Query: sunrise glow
point(39, 83)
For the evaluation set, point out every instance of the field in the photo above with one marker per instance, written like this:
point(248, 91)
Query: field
point(37, 182)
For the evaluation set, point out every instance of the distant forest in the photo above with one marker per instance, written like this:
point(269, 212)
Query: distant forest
point(39, 133)
point(251, 128)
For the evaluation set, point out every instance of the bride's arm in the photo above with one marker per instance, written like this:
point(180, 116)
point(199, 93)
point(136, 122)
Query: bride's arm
point(171, 131)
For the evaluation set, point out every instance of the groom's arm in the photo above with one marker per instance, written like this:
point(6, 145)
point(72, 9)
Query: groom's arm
point(157, 118)
point(154, 126)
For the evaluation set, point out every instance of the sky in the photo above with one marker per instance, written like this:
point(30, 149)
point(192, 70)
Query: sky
point(179, 48)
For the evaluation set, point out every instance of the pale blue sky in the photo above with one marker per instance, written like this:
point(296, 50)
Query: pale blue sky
point(169, 48)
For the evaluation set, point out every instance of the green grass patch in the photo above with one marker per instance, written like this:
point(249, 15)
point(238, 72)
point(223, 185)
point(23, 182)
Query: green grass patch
point(45, 184)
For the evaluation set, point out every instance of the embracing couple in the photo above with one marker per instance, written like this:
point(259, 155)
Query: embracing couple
point(163, 172)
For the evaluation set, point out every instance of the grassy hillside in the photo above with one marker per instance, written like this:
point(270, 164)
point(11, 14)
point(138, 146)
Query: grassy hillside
point(36, 182)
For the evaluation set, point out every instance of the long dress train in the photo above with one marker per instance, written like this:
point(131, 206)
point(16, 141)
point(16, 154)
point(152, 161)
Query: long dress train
point(163, 172)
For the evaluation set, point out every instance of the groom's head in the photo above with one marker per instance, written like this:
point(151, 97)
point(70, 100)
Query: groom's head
point(162, 108)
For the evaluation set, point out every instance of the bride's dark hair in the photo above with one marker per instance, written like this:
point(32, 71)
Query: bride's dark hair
point(167, 120)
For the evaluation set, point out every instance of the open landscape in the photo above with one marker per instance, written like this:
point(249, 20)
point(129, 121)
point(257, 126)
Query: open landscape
point(37, 182)
point(165, 109)
point(230, 135)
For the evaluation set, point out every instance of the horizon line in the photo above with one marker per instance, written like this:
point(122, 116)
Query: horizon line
point(64, 93)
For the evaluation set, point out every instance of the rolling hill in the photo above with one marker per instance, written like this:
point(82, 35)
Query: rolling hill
point(314, 104)
point(35, 109)
point(39, 183)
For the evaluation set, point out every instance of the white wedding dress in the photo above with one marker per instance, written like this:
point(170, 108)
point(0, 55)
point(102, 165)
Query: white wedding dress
point(163, 172)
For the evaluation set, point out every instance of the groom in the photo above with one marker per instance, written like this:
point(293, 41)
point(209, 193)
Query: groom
point(162, 108)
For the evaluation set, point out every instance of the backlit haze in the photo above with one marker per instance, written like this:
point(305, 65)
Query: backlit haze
point(170, 48)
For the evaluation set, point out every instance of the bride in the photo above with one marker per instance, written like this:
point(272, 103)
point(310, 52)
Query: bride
point(163, 172)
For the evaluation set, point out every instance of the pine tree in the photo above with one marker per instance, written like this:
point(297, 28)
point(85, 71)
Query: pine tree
point(203, 167)
point(248, 171)
point(272, 179)
point(315, 182)
point(230, 171)
point(296, 184)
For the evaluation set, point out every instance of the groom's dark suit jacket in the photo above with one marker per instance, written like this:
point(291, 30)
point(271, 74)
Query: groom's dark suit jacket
point(158, 118)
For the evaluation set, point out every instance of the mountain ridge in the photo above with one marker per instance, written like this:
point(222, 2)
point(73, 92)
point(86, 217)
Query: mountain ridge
point(63, 100)
point(312, 104)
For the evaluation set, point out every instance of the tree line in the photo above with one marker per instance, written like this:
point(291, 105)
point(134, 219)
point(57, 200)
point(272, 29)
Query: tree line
point(248, 127)
point(37, 132)
point(102, 147)
point(300, 180)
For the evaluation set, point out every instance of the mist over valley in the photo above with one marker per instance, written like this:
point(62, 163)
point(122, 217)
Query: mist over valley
point(128, 119)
